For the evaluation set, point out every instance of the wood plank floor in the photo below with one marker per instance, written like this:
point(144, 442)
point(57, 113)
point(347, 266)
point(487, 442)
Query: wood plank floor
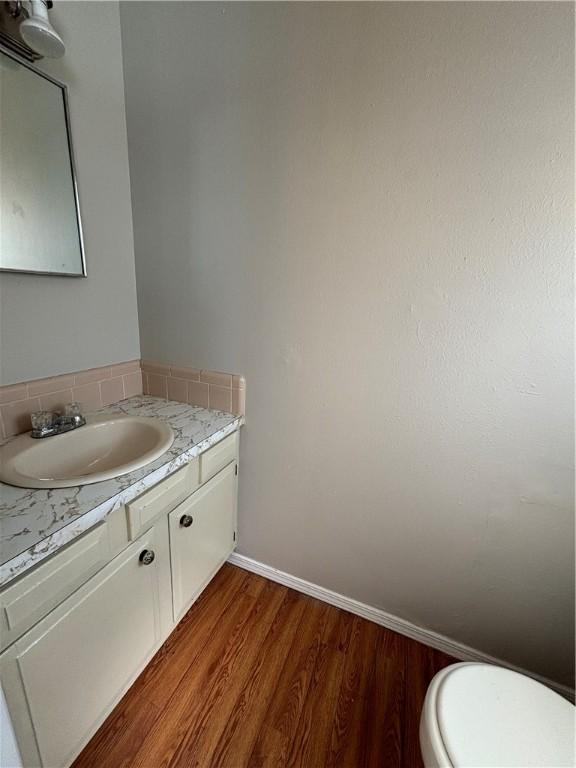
point(259, 675)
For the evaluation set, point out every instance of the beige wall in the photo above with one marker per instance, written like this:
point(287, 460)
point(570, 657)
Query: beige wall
point(366, 209)
point(53, 325)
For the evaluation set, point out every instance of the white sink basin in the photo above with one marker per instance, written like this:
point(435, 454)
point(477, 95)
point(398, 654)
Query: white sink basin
point(105, 447)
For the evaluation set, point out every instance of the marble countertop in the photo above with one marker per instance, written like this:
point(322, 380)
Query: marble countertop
point(36, 523)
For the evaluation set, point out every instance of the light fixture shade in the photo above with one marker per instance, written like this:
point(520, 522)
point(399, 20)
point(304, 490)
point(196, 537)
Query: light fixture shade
point(39, 34)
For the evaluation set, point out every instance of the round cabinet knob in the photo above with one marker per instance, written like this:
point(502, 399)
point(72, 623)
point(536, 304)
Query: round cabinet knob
point(186, 521)
point(147, 556)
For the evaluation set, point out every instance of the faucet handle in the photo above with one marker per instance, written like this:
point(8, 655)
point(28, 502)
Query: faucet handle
point(73, 410)
point(73, 414)
point(42, 422)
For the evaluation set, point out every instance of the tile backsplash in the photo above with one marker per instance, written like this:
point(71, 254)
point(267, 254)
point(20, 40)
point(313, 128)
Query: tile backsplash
point(110, 384)
point(210, 389)
point(93, 389)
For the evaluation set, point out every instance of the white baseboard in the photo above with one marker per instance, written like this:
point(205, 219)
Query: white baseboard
point(378, 616)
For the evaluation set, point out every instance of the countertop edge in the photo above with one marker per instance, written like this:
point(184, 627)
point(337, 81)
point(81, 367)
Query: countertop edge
point(15, 567)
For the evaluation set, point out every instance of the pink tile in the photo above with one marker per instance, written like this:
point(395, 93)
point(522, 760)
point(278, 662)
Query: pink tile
point(239, 402)
point(185, 373)
point(238, 382)
point(133, 384)
point(178, 390)
point(219, 379)
point(88, 395)
point(55, 401)
point(159, 368)
point(198, 393)
point(53, 384)
point(13, 392)
point(220, 398)
point(16, 416)
point(121, 369)
point(2, 433)
point(92, 374)
point(157, 385)
point(145, 387)
point(112, 390)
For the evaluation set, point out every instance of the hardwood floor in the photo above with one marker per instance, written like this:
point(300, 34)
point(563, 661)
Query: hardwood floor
point(259, 675)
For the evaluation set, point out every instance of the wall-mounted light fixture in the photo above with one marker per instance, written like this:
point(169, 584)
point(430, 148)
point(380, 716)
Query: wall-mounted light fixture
point(39, 34)
point(26, 29)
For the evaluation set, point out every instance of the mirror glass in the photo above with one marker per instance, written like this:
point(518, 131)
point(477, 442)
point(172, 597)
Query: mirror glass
point(40, 228)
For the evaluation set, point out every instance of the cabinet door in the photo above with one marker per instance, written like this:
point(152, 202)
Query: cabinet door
point(202, 531)
point(76, 663)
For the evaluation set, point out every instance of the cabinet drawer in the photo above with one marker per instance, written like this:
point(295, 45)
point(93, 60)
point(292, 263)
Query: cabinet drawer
point(28, 600)
point(163, 497)
point(218, 457)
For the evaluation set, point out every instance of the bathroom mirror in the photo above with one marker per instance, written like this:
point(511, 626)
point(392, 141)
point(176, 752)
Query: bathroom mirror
point(40, 229)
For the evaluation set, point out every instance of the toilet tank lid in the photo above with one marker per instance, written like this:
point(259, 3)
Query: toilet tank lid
point(492, 716)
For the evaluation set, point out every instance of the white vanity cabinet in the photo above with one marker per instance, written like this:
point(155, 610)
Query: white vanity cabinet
point(62, 677)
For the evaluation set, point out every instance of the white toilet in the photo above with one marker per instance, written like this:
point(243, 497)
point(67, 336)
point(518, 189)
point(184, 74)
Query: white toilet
point(478, 715)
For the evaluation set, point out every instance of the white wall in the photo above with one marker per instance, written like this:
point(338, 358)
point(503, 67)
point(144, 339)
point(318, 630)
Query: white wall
point(52, 325)
point(367, 210)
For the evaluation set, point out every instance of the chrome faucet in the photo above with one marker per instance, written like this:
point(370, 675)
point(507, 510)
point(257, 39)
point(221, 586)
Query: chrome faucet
point(49, 423)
